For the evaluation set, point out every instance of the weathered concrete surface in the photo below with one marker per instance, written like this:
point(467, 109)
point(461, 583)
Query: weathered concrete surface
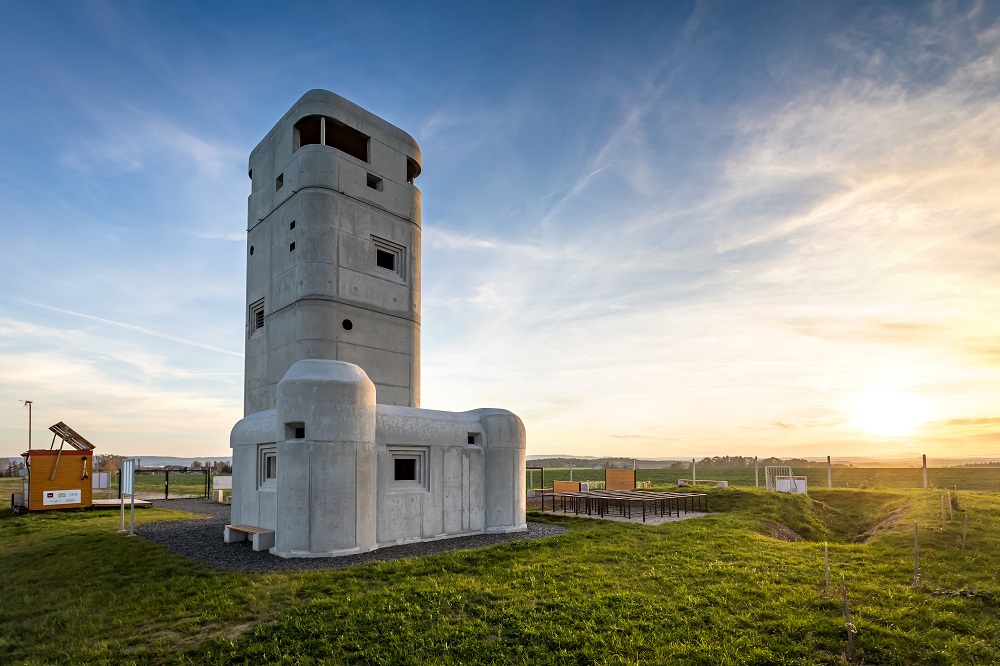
point(333, 320)
point(336, 491)
point(326, 208)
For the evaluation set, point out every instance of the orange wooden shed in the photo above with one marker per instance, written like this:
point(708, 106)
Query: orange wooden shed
point(60, 478)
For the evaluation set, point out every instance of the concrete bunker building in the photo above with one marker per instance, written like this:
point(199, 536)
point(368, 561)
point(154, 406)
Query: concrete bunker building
point(334, 455)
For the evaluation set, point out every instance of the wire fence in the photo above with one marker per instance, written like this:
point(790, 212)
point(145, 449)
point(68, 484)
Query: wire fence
point(838, 475)
point(153, 484)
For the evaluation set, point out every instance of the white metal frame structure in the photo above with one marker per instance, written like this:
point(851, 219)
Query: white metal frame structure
point(772, 474)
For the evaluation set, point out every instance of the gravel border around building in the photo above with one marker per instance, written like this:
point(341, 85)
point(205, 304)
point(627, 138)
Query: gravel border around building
point(201, 540)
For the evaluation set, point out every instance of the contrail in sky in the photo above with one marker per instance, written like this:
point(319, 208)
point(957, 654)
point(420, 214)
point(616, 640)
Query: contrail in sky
point(132, 327)
point(577, 184)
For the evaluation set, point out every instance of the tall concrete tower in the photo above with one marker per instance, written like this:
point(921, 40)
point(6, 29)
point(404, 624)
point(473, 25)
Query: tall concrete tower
point(333, 243)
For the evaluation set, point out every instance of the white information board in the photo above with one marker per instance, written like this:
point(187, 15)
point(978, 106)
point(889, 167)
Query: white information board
point(222, 483)
point(55, 497)
point(127, 475)
point(101, 480)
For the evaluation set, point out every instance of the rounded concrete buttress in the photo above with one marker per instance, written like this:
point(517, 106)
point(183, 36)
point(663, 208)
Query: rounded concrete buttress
point(504, 444)
point(326, 461)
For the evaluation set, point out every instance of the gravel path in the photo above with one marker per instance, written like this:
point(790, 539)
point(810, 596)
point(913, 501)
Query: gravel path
point(201, 540)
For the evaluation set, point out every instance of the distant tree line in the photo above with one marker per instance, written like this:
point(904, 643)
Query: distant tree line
point(112, 462)
point(12, 467)
point(713, 462)
point(743, 461)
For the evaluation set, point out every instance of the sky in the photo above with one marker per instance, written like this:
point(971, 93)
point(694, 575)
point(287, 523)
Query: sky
point(650, 229)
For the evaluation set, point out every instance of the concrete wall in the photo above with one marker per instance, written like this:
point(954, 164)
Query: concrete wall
point(474, 473)
point(336, 490)
point(325, 207)
point(315, 459)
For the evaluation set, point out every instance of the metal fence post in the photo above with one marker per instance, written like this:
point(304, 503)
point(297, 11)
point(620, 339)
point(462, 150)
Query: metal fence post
point(829, 473)
point(166, 485)
point(925, 471)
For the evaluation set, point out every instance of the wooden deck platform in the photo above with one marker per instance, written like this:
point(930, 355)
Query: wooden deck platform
point(117, 504)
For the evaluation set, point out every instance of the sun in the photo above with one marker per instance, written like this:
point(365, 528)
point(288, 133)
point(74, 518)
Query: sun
point(888, 413)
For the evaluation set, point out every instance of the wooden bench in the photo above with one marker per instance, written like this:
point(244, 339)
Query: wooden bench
point(262, 539)
point(703, 482)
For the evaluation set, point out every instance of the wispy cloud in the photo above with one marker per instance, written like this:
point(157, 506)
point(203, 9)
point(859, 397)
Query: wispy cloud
point(132, 138)
point(132, 327)
point(846, 242)
point(236, 237)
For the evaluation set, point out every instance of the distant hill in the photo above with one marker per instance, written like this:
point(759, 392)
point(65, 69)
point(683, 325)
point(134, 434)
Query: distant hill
point(729, 462)
point(600, 463)
point(167, 461)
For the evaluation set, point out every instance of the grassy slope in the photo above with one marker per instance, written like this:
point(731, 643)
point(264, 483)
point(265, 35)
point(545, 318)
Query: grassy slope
point(711, 590)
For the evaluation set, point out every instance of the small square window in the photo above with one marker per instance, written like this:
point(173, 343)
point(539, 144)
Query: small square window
point(374, 182)
point(291, 246)
point(256, 317)
point(386, 260)
point(409, 469)
point(279, 182)
point(295, 430)
point(267, 467)
point(389, 257)
point(405, 469)
point(292, 225)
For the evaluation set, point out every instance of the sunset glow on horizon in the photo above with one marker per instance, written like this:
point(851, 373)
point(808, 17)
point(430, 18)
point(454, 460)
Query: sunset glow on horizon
point(652, 233)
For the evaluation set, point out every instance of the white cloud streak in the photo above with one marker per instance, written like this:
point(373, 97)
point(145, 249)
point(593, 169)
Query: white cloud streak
point(132, 327)
point(868, 205)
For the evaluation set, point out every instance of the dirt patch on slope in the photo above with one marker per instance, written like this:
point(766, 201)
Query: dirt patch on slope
point(894, 518)
point(781, 532)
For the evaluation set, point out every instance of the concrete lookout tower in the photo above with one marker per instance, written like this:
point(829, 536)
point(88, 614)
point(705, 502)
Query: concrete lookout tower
point(333, 250)
point(333, 455)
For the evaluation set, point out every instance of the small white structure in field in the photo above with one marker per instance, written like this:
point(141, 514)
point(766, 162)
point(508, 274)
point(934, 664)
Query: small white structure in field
point(782, 480)
point(334, 455)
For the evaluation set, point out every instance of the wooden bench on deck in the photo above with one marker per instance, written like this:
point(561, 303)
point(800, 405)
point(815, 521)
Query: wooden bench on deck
point(262, 539)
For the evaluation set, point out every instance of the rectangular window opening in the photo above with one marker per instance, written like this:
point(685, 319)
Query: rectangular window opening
point(389, 257)
point(386, 260)
point(291, 247)
point(374, 182)
point(279, 182)
point(473, 438)
point(346, 139)
point(267, 467)
point(405, 469)
point(409, 469)
point(256, 316)
point(295, 430)
point(307, 131)
point(291, 225)
point(412, 170)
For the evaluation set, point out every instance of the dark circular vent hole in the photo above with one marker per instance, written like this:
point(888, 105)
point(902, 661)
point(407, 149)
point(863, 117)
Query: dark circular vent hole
point(348, 325)
point(251, 250)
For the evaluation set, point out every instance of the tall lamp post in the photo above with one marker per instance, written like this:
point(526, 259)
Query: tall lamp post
point(28, 403)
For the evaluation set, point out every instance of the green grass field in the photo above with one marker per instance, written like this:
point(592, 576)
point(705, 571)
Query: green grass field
point(715, 590)
point(962, 478)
